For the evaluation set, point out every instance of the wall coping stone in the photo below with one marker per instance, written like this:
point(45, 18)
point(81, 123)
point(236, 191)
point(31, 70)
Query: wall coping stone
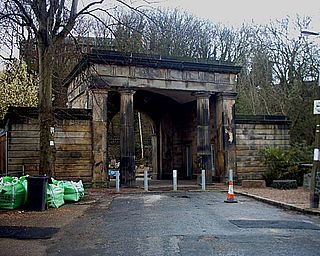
point(253, 183)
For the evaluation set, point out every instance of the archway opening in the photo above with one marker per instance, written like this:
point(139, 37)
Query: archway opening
point(144, 133)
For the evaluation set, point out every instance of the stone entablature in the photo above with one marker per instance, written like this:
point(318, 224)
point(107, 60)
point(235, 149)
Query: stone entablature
point(116, 70)
point(165, 78)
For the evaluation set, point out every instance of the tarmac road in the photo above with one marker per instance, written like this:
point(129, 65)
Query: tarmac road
point(187, 223)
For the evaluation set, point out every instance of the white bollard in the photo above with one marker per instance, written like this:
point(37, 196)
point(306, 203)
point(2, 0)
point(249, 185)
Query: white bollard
point(203, 180)
point(175, 185)
point(145, 179)
point(117, 181)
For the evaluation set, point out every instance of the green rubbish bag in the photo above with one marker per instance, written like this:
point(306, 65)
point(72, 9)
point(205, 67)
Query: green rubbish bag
point(12, 193)
point(55, 194)
point(73, 191)
point(24, 182)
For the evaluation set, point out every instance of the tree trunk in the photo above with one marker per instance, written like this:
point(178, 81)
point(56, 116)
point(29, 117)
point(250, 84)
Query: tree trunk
point(45, 108)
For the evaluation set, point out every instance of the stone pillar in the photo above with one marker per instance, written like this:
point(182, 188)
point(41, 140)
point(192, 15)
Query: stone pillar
point(154, 156)
point(203, 134)
point(127, 149)
point(226, 144)
point(99, 128)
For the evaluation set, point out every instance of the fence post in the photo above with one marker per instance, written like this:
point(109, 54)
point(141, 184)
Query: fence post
point(117, 181)
point(175, 185)
point(145, 179)
point(203, 180)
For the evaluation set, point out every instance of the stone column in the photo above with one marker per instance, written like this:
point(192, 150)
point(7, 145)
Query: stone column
point(226, 143)
point(99, 129)
point(154, 156)
point(203, 134)
point(127, 149)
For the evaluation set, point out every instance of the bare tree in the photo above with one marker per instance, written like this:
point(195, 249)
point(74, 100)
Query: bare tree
point(279, 75)
point(49, 22)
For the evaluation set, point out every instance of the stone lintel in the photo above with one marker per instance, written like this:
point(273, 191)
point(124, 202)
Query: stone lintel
point(117, 82)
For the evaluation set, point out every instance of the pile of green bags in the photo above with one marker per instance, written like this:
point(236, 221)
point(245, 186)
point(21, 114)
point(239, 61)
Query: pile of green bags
point(13, 192)
point(73, 191)
point(55, 194)
point(60, 191)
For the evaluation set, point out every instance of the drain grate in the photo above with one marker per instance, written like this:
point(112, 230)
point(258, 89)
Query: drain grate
point(277, 224)
point(22, 232)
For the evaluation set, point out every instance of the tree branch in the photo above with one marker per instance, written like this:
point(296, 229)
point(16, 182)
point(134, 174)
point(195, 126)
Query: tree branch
point(103, 23)
point(25, 15)
point(72, 18)
point(58, 18)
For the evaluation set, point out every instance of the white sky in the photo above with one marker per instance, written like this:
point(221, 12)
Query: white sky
point(235, 12)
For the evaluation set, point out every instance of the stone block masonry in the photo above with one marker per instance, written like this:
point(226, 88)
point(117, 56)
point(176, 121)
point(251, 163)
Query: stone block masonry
point(253, 134)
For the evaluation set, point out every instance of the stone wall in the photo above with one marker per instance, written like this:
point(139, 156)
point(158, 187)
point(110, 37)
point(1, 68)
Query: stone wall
point(72, 143)
point(254, 133)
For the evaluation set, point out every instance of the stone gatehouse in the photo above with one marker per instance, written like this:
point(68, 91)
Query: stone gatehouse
point(190, 106)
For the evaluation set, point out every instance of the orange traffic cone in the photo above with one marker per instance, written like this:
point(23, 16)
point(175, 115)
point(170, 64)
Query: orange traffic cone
point(230, 196)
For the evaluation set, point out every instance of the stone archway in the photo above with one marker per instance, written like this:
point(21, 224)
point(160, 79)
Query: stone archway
point(154, 109)
point(145, 143)
point(190, 102)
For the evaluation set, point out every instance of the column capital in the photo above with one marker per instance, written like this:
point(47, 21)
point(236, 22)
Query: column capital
point(98, 91)
point(127, 90)
point(227, 96)
point(201, 94)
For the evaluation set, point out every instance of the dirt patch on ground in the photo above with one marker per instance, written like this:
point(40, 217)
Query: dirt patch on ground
point(50, 218)
point(297, 197)
point(54, 218)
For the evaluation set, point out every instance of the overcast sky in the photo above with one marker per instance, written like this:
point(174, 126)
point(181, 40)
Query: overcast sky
point(235, 12)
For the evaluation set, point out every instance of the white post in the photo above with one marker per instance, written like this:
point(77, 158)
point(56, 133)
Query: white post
point(145, 179)
point(117, 181)
point(175, 186)
point(203, 179)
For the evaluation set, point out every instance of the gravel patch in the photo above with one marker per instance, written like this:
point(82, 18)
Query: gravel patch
point(296, 197)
